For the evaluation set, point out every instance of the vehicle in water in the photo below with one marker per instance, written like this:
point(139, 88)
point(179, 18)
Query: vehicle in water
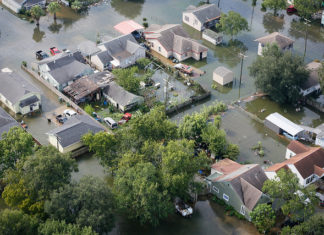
point(182, 208)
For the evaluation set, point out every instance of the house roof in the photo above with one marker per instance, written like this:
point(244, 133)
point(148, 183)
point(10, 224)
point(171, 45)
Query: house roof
point(88, 48)
point(281, 40)
point(222, 71)
point(226, 166)
point(304, 162)
point(205, 12)
point(29, 3)
point(28, 101)
point(251, 194)
point(119, 94)
point(313, 78)
point(81, 88)
point(74, 128)
point(102, 79)
point(105, 57)
point(128, 26)
point(174, 38)
point(6, 122)
point(297, 147)
point(284, 124)
point(13, 86)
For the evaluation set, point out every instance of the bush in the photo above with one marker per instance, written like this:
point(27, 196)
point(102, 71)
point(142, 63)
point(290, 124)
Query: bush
point(145, 24)
point(24, 63)
point(89, 109)
point(143, 62)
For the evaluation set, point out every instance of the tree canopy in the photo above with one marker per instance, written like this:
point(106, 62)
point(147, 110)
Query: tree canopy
point(128, 78)
point(296, 201)
point(192, 126)
point(88, 202)
point(306, 8)
point(232, 23)
point(279, 74)
point(54, 227)
point(53, 8)
point(263, 217)
point(314, 225)
point(275, 5)
point(36, 12)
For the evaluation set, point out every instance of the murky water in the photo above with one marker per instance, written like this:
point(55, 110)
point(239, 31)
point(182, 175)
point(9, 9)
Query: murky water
point(19, 40)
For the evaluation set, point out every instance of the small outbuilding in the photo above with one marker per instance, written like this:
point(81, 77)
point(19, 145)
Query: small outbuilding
point(128, 27)
point(212, 37)
point(223, 75)
point(283, 126)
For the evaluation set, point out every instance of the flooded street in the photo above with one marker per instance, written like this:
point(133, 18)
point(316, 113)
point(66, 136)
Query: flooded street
point(20, 39)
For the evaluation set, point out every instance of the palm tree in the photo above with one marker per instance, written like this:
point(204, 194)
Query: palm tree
point(36, 12)
point(76, 5)
point(54, 7)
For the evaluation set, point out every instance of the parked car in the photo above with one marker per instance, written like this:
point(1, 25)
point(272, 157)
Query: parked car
point(184, 68)
point(110, 122)
point(182, 208)
point(54, 51)
point(60, 118)
point(125, 118)
point(291, 9)
point(40, 55)
point(69, 113)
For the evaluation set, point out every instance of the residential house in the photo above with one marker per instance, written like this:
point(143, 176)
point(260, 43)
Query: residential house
point(17, 5)
point(307, 163)
point(67, 138)
point(119, 52)
point(172, 40)
point(63, 69)
point(201, 17)
point(320, 135)
point(312, 84)
point(238, 185)
point(6, 122)
point(283, 42)
point(120, 98)
point(19, 95)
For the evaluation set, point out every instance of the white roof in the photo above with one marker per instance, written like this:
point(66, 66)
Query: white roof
point(222, 71)
point(285, 124)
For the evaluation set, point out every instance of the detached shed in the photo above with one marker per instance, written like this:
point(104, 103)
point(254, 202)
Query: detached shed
point(212, 37)
point(223, 75)
point(283, 126)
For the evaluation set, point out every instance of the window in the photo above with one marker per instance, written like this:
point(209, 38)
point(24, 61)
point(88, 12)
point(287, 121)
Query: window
point(152, 45)
point(187, 18)
point(242, 211)
point(225, 197)
point(160, 49)
point(215, 189)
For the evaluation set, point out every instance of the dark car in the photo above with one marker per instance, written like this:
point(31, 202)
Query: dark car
point(41, 55)
point(54, 51)
point(61, 119)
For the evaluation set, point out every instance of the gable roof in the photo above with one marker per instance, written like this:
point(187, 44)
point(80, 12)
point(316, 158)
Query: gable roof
point(128, 26)
point(297, 147)
point(119, 94)
point(6, 122)
point(74, 128)
point(205, 12)
point(281, 40)
point(251, 194)
point(222, 71)
point(313, 78)
point(81, 88)
point(304, 162)
point(226, 166)
point(174, 38)
point(13, 86)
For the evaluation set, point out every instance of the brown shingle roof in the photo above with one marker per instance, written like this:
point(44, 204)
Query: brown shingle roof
point(251, 194)
point(318, 171)
point(297, 147)
point(226, 166)
point(281, 40)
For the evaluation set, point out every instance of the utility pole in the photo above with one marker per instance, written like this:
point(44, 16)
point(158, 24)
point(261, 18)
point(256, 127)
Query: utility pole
point(166, 87)
point(242, 56)
point(306, 35)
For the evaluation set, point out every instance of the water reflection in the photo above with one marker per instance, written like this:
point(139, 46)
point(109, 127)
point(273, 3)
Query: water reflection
point(297, 29)
point(68, 16)
point(128, 8)
point(273, 23)
point(38, 34)
point(55, 27)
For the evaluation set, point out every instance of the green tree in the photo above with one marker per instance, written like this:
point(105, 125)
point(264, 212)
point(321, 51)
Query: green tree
point(88, 202)
point(139, 194)
point(128, 78)
point(306, 8)
point(15, 222)
point(263, 217)
point(53, 8)
point(314, 226)
point(232, 24)
point(31, 183)
point(54, 227)
point(232, 151)
point(275, 5)
point(296, 201)
point(76, 5)
point(36, 12)
point(279, 74)
point(15, 144)
point(215, 138)
point(89, 109)
point(192, 126)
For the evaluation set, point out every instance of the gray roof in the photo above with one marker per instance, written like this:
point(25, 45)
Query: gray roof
point(30, 3)
point(313, 79)
point(6, 122)
point(205, 12)
point(88, 48)
point(105, 57)
point(119, 94)
point(13, 86)
point(74, 128)
point(281, 40)
point(121, 47)
point(222, 71)
point(102, 79)
point(28, 101)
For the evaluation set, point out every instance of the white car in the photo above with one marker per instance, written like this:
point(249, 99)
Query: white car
point(69, 113)
point(182, 208)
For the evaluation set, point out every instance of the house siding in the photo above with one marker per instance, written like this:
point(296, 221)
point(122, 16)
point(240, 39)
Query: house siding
point(16, 108)
point(193, 21)
point(53, 141)
point(97, 62)
point(12, 5)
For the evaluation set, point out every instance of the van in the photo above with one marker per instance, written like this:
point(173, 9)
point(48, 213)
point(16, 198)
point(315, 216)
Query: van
point(111, 123)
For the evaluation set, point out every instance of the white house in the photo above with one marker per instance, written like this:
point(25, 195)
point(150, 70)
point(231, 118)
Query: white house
point(17, 93)
point(223, 75)
point(312, 84)
point(283, 42)
point(67, 138)
point(307, 163)
point(172, 40)
point(120, 98)
point(119, 52)
point(17, 5)
point(201, 17)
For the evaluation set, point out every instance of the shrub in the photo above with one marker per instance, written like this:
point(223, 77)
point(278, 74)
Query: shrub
point(89, 109)
point(24, 63)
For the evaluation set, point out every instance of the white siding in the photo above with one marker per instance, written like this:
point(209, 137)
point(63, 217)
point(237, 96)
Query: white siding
point(319, 141)
point(97, 62)
point(193, 21)
point(289, 154)
point(12, 5)
point(296, 172)
point(271, 174)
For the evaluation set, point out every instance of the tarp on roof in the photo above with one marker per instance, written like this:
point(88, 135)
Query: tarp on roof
point(284, 124)
point(128, 26)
